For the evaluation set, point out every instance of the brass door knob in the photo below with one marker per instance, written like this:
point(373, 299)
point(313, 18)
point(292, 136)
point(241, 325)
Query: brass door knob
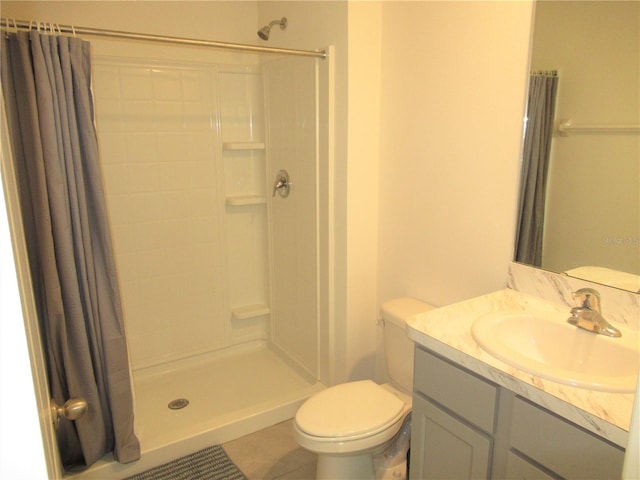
point(73, 409)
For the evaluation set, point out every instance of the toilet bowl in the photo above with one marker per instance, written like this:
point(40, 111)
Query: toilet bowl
point(348, 434)
point(358, 428)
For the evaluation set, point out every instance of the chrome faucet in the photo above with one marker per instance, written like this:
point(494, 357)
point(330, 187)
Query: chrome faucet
point(588, 315)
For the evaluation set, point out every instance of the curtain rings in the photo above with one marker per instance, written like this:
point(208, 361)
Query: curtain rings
point(10, 27)
point(46, 28)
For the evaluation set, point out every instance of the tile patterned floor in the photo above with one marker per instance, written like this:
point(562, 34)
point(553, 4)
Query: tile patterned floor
point(272, 454)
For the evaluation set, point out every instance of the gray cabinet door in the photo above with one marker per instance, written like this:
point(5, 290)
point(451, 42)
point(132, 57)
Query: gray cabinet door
point(444, 447)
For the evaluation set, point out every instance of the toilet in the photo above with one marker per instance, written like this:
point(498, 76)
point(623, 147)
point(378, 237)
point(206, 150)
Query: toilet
point(361, 430)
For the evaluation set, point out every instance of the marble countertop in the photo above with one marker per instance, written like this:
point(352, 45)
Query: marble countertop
point(447, 331)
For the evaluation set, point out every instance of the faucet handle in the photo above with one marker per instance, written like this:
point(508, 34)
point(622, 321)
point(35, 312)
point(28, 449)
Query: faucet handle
point(588, 298)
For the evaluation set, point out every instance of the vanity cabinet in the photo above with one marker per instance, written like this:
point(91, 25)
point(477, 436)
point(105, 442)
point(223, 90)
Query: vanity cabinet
point(465, 427)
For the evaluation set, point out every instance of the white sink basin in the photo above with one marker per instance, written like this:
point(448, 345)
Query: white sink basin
point(545, 345)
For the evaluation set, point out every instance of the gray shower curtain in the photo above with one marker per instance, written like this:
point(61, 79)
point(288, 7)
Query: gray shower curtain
point(46, 85)
point(535, 165)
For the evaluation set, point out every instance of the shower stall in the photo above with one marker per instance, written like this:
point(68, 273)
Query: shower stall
point(218, 271)
point(224, 299)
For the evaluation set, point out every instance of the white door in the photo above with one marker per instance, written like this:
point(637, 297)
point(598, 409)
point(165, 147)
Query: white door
point(28, 446)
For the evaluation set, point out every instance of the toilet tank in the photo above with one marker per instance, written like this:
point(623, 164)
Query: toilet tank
point(398, 348)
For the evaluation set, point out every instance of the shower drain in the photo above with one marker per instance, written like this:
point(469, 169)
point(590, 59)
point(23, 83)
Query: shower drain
point(178, 403)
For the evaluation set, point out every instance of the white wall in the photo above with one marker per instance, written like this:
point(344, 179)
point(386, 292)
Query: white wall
point(453, 86)
point(365, 42)
point(219, 20)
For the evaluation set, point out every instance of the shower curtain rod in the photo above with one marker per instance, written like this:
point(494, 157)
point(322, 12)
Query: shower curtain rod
point(55, 28)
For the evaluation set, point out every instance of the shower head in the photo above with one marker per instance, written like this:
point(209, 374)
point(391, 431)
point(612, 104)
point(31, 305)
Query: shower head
point(263, 33)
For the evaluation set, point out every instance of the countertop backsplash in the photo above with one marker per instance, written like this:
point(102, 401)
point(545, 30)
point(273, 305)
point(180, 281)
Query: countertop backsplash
point(617, 305)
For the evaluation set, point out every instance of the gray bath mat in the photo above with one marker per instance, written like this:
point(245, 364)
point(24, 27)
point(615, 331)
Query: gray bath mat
point(212, 463)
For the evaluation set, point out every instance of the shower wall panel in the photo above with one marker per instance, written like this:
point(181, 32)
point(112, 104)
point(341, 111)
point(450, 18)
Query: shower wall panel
point(244, 162)
point(291, 92)
point(241, 104)
point(157, 125)
point(207, 257)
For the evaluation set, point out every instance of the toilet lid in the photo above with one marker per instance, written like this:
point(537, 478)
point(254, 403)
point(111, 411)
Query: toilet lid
point(349, 410)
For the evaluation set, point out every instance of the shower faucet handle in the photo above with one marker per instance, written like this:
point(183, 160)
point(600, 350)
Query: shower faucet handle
point(282, 185)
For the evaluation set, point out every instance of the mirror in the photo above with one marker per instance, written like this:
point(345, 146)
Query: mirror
point(592, 202)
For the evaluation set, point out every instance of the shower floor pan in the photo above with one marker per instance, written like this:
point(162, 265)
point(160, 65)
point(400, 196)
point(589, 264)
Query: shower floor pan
point(229, 395)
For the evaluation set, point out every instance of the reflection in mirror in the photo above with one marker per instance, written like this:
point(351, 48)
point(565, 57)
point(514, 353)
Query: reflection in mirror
point(585, 212)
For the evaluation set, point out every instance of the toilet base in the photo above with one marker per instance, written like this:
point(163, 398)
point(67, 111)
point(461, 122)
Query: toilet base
point(345, 467)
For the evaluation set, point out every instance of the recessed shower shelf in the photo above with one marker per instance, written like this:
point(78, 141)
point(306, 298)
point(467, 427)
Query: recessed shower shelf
point(250, 311)
point(243, 146)
point(240, 200)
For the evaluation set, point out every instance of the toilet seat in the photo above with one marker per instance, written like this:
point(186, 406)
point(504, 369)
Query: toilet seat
point(349, 411)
